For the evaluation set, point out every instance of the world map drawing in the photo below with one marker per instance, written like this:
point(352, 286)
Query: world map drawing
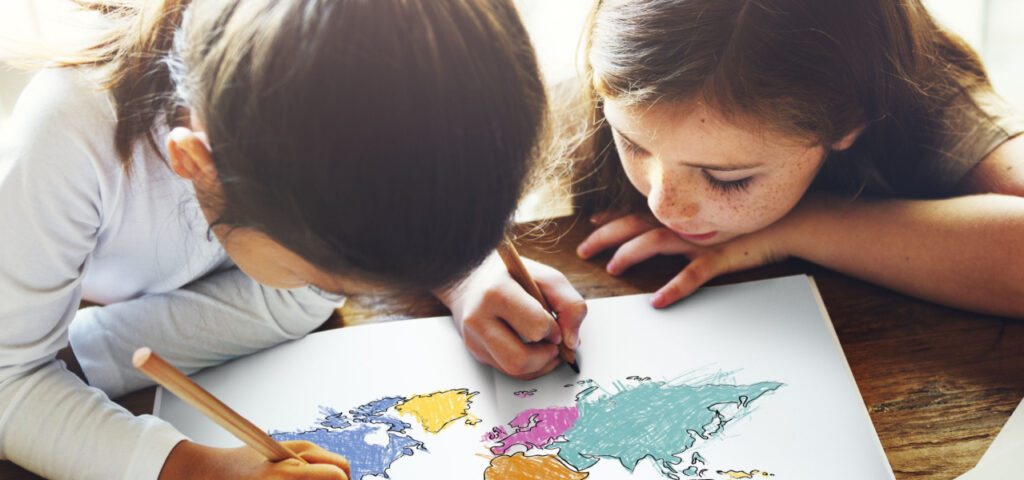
point(636, 420)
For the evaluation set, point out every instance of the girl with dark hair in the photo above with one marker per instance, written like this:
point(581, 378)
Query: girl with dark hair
point(217, 173)
point(858, 135)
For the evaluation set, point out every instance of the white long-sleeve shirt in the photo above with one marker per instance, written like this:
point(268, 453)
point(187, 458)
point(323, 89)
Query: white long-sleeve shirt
point(74, 225)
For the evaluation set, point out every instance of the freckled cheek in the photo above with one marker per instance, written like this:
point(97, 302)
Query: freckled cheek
point(774, 203)
point(689, 210)
point(748, 212)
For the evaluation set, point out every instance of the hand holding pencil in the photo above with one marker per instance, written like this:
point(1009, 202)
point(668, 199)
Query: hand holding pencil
point(516, 268)
point(263, 457)
point(506, 327)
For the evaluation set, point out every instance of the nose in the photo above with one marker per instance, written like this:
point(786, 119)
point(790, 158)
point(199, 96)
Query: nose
point(673, 202)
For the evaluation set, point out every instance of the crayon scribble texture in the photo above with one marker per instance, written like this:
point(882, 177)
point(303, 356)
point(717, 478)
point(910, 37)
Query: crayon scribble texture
point(637, 419)
point(658, 421)
point(348, 435)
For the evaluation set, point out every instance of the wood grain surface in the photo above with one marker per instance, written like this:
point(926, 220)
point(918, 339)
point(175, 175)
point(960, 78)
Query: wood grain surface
point(939, 383)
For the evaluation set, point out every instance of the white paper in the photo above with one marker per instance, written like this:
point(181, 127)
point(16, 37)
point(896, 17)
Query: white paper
point(1002, 459)
point(661, 395)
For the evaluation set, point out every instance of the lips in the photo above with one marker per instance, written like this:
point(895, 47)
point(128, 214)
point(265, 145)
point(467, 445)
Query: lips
point(697, 237)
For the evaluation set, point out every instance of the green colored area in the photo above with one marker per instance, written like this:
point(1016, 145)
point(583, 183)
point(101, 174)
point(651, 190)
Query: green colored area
point(653, 419)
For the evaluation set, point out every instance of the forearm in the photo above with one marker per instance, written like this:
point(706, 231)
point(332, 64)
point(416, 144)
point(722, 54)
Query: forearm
point(52, 424)
point(207, 322)
point(963, 252)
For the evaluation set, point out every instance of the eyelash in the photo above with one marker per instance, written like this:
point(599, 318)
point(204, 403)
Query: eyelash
point(727, 187)
point(730, 186)
point(630, 148)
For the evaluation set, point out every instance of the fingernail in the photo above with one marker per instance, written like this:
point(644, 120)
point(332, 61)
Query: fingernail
point(612, 268)
point(581, 251)
point(657, 300)
point(554, 334)
point(594, 220)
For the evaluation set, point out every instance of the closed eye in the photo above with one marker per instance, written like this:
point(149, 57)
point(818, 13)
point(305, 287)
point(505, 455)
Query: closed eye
point(727, 186)
point(628, 147)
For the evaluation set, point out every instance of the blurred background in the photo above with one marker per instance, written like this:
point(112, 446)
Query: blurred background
point(994, 27)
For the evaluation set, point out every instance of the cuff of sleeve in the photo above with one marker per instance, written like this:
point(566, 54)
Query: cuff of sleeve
point(157, 440)
point(336, 299)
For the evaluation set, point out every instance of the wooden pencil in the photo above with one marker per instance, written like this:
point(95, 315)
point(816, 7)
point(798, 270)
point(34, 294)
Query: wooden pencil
point(178, 383)
point(514, 264)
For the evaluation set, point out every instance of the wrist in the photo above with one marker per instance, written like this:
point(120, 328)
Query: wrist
point(795, 232)
point(449, 294)
point(186, 460)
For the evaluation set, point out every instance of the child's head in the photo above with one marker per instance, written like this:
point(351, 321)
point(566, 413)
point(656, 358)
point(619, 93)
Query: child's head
point(737, 103)
point(385, 140)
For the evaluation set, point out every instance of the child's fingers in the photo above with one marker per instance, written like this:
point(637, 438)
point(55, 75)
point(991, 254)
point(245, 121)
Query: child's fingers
point(546, 369)
point(311, 471)
point(523, 313)
point(563, 298)
point(508, 353)
point(660, 241)
point(711, 263)
point(615, 232)
point(604, 217)
point(686, 282)
point(313, 453)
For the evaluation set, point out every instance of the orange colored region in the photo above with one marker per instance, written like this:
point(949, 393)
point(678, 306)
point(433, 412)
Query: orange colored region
point(521, 467)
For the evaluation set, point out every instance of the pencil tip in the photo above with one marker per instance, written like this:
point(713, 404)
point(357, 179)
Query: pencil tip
point(574, 366)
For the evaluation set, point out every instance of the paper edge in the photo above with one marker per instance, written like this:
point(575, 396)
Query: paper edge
point(849, 371)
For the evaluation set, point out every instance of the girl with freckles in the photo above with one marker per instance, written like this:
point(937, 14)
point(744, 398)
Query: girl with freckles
point(861, 136)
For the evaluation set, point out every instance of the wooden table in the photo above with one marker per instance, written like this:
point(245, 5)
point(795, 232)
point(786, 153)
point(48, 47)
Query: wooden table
point(939, 383)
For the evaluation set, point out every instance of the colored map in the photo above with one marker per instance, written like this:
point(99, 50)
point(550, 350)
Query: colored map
point(438, 410)
point(356, 435)
point(661, 422)
point(639, 419)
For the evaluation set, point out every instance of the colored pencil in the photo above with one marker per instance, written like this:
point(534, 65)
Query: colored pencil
point(178, 383)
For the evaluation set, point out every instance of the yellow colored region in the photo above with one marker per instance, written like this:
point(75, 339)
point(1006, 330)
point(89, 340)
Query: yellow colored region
point(735, 474)
point(437, 410)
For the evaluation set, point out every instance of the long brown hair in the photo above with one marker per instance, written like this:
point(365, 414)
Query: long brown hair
point(816, 69)
point(385, 139)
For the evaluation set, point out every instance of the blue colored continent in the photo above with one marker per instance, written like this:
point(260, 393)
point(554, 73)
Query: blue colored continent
point(347, 436)
point(350, 442)
point(373, 412)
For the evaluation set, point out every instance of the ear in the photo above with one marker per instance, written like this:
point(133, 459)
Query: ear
point(190, 156)
point(848, 139)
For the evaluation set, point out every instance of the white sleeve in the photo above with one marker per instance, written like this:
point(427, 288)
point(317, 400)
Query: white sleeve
point(211, 320)
point(50, 211)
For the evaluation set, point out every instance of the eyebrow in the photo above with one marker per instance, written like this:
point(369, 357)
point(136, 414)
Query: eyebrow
point(720, 168)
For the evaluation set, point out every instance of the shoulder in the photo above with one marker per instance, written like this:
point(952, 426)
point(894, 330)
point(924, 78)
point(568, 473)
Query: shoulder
point(62, 127)
point(1001, 171)
point(57, 152)
point(956, 147)
point(67, 98)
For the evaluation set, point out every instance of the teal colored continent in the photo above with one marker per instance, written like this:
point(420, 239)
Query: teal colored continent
point(653, 419)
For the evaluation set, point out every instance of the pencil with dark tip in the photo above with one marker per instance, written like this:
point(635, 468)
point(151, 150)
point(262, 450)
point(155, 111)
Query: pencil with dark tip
point(514, 264)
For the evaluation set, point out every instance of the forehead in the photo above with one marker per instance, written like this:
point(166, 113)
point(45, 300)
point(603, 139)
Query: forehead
point(694, 124)
point(269, 250)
